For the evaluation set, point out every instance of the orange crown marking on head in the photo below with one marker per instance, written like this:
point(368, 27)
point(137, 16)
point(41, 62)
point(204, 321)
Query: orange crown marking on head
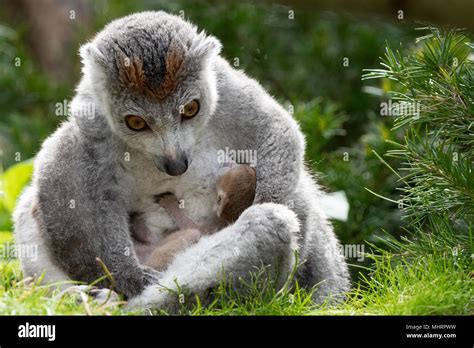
point(131, 73)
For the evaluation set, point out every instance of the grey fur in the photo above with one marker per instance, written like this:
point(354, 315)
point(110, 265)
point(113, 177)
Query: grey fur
point(85, 160)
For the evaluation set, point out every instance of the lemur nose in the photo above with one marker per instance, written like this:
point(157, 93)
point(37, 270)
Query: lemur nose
point(172, 166)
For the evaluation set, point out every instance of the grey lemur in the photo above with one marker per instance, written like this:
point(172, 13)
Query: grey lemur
point(155, 106)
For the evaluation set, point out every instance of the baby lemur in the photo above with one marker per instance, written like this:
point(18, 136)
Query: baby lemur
point(235, 193)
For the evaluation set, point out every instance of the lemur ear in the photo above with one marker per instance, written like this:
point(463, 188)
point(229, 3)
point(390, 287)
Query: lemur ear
point(90, 54)
point(205, 47)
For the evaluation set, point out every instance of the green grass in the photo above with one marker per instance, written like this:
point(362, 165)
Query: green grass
point(437, 284)
point(422, 286)
point(17, 298)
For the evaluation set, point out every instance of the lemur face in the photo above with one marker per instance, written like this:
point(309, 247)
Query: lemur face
point(156, 83)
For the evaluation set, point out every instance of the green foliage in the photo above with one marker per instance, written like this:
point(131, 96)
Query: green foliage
point(351, 169)
point(438, 284)
point(432, 284)
point(257, 296)
point(26, 102)
point(321, 122)
point(437, 176)
point(18, 297)
point(13, 181)
point(424, 272)
point(431, 90)
point(438, 148)
point(5, 236)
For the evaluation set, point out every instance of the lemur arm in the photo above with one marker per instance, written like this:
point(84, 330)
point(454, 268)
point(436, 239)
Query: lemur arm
point(82, 215)
point(249, 119)
point(280, 151)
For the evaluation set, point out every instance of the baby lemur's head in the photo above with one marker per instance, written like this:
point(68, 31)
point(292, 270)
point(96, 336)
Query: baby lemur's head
point(152, 75)
point(236, 185)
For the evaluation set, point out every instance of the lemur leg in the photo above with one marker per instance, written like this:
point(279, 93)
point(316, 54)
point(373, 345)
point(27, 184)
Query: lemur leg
point(28, 236)
point(263, 235)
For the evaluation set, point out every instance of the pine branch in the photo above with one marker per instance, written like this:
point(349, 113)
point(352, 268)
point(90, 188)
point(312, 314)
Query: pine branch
point(434, 99)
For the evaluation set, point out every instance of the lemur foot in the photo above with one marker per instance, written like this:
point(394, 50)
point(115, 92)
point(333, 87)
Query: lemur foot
point(87, 293)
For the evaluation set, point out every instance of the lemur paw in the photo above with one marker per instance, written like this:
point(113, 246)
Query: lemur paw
point(86, 293)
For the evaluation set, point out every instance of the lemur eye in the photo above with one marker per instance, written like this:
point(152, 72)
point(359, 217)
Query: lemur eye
point(135, 123)
point(190, 109)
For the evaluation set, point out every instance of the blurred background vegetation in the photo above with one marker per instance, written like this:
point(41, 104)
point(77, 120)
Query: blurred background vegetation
point(311, 63)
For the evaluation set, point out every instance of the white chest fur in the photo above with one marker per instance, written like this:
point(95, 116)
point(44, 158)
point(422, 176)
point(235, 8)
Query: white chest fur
point(195, 190)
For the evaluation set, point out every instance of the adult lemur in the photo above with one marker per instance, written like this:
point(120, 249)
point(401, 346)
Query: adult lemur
point(163, 104)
